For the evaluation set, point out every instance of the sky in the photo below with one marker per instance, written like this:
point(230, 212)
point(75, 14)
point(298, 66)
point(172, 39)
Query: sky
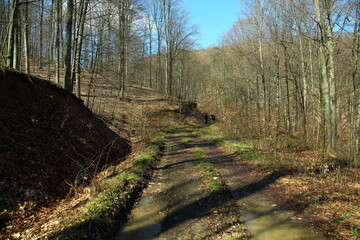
point(213, 17)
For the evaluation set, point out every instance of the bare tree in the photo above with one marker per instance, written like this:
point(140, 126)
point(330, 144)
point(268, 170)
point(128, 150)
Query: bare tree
point(25, 14)
point(11, 43)
point(68, 82)
point(41, 26)
point(57, 10)
point(79, 43)
point(354, 106)
point(177, 38)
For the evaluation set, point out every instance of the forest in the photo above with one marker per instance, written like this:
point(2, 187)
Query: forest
point(285, 76)
point(287, 68)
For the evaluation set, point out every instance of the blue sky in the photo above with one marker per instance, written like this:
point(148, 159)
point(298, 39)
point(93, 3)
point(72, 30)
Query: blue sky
point(214, 18)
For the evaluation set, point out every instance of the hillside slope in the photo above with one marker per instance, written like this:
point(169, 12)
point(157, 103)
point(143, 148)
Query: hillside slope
point(53, 149)
point(49, 143)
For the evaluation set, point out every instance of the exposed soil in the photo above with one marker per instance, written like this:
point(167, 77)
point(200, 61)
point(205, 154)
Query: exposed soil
point(49, 144)
point(189, 209)
point(244, 181)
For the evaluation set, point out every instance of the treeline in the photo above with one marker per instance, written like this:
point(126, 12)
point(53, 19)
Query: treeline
point(140, 40)
point(290, 67)
point(287, 68)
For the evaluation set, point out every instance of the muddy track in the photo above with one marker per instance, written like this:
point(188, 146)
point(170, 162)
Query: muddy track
point(178, 203)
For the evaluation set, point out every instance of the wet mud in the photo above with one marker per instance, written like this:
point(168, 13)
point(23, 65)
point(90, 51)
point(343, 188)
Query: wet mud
point(178, 205)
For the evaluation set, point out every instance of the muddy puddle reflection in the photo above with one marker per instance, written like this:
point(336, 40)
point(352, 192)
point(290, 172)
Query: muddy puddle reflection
point(145, 220)
point(265, 222)
point(161, 199)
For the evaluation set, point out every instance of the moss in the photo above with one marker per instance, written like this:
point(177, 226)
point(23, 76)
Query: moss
point(210, 133)
point(130, 177)
point(108, 200)
point(217, 186)
point(207, 170)
point(99, 206)
point(188, 141)
point(205, 166)
point(355, 231)
point(159, 140)
point(172, 129)
point(198, 152)
point(142, 164)
point(247, 155)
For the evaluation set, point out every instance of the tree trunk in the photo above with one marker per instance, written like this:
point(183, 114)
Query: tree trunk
point(333, 124)
point(41, 42)
point(158, 19)
point(166, 12)
point(26, 37)
point(122, 46)
point(68, 82)
point(4, 29)
point(79, 43)
point(278, 90)
point(354, 106)
point(50, 38)
point(325, 104)
point(326, 62)
point(288, 102)
point(11, 34)
point(57, 41)
point(304, 87)
point(259, 18)
point(150, 53)
point(17, 42)
point(158, 68)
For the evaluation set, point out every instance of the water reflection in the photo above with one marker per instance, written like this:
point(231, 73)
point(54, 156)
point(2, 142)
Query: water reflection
point(145, 221)
point(265, 222)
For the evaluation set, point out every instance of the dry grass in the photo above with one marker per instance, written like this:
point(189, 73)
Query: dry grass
point(138, 116)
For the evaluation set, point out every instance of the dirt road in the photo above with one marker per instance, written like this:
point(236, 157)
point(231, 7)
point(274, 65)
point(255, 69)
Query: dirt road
point(184, 201)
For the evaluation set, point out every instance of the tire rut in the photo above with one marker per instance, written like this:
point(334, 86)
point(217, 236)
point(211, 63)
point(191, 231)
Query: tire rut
point(177, 204)
point(266, 213)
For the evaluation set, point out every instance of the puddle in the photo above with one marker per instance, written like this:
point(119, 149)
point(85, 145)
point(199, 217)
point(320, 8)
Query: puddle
point(265, 222)
point(145, 221)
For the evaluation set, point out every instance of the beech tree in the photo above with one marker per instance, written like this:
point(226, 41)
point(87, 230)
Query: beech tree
point(67, 46)
point(57, 9)
point(354, 101)
point(12, 35)
point(78, 42)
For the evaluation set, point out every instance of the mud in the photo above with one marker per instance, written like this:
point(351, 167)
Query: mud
point(265, 213)
point(177, 204)
point(167, 201)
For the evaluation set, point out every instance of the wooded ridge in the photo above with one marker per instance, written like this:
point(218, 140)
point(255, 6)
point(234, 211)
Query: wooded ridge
point(288, 67)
